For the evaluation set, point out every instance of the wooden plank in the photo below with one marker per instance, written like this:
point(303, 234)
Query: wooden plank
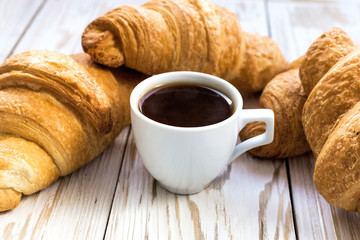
point(249, 200)
point(295, 25)
point(255, 22)
point(312, 215)
point(14, 22)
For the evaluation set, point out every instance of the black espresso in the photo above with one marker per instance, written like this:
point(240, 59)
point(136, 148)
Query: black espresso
point(186, 105)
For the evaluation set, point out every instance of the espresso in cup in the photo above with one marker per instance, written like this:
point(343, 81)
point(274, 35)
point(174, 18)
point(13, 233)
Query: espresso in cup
point(186, 105)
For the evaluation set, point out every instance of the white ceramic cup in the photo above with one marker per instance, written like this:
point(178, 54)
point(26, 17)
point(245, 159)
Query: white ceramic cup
point(185, 160)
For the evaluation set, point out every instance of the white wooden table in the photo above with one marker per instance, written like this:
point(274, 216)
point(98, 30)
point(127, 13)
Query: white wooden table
point(114, 197)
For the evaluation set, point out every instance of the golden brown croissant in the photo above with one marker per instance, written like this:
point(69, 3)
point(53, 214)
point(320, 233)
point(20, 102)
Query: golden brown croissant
point(336, 91)
point(196, 35)
point(56, 114)
point(331, 117)
point(322, 55)
point(285, 95)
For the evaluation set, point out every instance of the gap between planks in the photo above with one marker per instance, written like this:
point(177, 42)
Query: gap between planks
point(118, 178)
point(269, 28)
point(36, 13)
point(291, 197)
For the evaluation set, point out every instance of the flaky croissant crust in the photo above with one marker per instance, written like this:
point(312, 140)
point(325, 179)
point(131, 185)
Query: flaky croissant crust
point(58, 73)
point(331, 117)
point(285, 95)
point(192, 35)
point(185, 34)
point(56, 114)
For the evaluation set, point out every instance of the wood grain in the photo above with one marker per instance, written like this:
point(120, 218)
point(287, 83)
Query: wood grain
point(248, 200)
point(14, 22)
point(295, 25)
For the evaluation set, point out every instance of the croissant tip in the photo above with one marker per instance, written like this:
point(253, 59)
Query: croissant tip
point(90, 40)
point(9, 199)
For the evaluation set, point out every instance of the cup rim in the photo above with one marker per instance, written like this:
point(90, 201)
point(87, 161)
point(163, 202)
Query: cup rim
point(203, 79)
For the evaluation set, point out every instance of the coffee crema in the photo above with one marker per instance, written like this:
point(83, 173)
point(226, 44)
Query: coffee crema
point(186, 105)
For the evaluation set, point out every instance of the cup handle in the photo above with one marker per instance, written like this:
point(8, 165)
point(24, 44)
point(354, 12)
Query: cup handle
point(251, 115)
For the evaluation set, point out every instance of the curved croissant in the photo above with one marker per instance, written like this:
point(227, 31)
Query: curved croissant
point(56, 114)
point(162, 36)
point(285, 95)
point(331, 118)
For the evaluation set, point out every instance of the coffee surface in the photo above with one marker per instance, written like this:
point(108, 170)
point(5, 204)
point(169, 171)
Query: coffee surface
point(186, 105)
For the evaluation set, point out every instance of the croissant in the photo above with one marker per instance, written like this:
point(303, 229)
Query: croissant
point(331, 117)
point(56, 114)
point(322, 55)
point(285, 95)
point(192, 35)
